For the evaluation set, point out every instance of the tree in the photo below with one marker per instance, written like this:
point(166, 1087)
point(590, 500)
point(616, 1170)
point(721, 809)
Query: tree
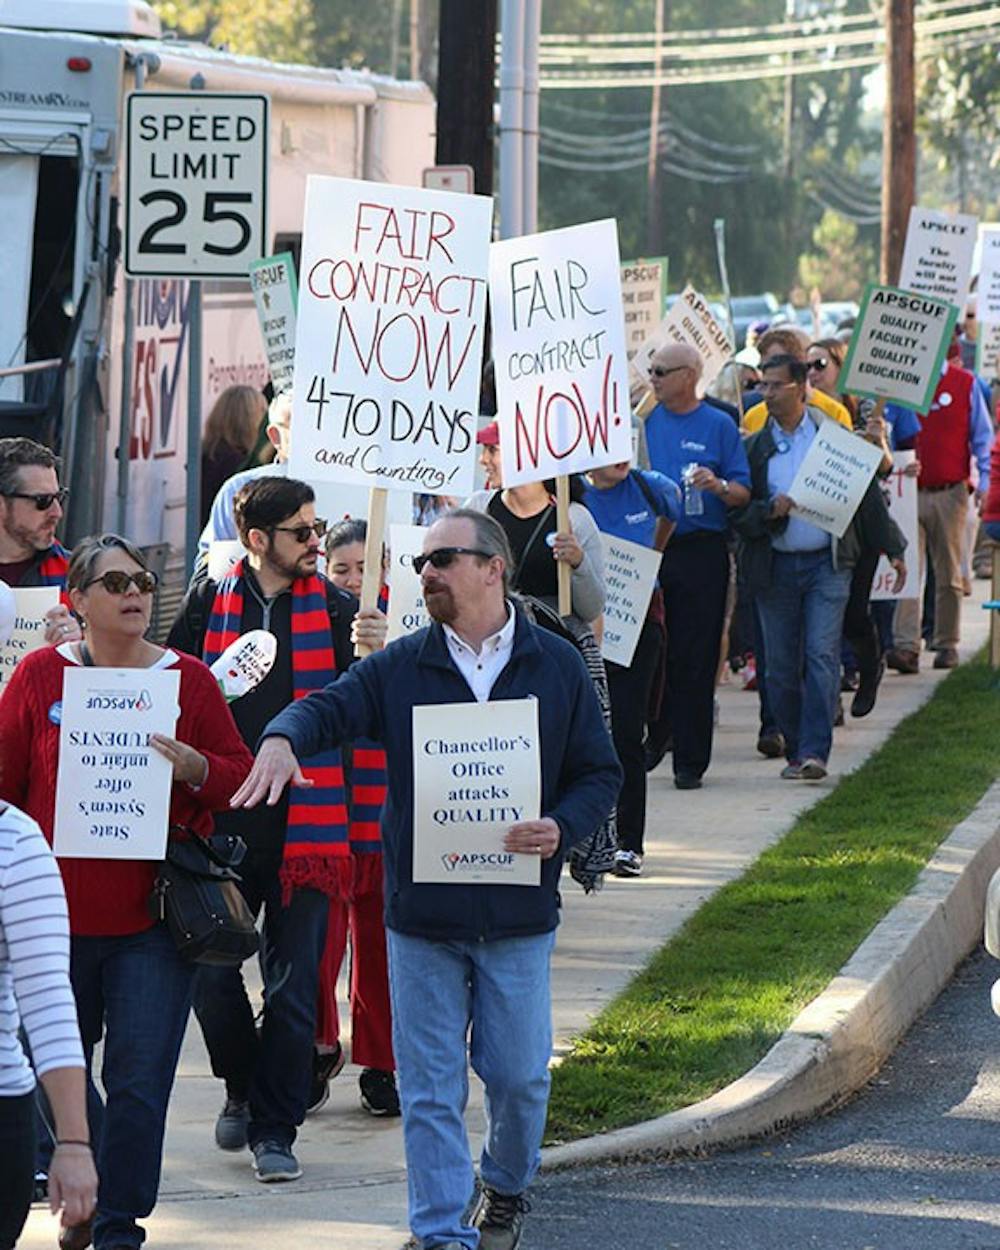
point(281, 30)
point(841, 262)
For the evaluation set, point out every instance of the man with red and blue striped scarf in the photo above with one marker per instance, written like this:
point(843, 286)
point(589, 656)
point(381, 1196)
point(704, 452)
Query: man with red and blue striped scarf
point(302, 853)
point(30, 511)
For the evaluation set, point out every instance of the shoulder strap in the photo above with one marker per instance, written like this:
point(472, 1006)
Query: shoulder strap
point(640, 481)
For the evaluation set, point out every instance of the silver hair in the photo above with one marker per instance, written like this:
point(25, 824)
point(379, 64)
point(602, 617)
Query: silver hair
point(85, 555)
point(490, 537)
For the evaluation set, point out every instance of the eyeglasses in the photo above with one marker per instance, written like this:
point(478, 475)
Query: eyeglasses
point(43, 501)
point(658, 371)
point(765, 387)
point(444, 557)
point(117, 581)
point(818, 364)
point(302, 533)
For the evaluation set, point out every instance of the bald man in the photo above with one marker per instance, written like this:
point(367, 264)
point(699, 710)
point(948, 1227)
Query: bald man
point(699, 446)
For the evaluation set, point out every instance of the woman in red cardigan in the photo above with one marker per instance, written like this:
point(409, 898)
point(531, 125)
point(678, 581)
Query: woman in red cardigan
point(131, 986)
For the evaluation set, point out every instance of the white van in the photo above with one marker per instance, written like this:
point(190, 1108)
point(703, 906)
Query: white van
point(62, 95)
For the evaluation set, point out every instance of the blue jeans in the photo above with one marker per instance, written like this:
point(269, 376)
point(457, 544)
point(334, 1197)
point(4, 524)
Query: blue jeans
point(802, 615)
point(439, 990)
point(273, 1072)
point(136, 991)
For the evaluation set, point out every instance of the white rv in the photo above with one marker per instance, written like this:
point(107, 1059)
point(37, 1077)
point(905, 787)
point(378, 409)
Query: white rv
point(66, 68)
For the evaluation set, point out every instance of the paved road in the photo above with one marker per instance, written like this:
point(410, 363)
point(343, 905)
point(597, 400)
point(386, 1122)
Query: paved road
point(913, 1163)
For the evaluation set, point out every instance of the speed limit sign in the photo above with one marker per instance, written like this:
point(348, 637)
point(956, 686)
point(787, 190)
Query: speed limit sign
point(196, 184)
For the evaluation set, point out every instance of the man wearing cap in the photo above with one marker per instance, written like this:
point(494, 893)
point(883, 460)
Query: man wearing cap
point(693, 443)
point(488, 440)
point(30, 511)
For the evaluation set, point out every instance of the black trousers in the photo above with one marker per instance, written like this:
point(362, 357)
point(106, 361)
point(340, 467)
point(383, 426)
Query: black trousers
point(859, 627)
point(629, 689)
point(694, 576)
point(17, 1171)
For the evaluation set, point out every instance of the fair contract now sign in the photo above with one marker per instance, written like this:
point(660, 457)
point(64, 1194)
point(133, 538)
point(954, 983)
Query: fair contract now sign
point(476, 772)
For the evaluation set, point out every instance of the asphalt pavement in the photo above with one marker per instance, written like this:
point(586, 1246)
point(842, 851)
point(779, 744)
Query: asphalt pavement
point(912, 1163)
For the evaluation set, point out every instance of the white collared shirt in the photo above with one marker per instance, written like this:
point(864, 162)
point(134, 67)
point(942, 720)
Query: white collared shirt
point(481, 669)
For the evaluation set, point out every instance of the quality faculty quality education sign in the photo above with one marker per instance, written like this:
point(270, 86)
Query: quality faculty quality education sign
point(196, 184)
point(559, 352)
point(389, 337)
point(898, 347)
point(476, 772)
point(113, 788)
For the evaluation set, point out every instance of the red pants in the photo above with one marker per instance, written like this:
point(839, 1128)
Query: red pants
point(371, 1020)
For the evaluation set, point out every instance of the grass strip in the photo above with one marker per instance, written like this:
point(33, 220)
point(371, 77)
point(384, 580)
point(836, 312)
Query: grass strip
point(717, 996)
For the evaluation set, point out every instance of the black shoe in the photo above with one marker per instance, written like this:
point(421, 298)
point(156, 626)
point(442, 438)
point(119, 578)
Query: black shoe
point(848, 681)
point(687, 781)
point(379, 1094)
point(655, 753)
point(325, 1068)
point(771, 743)
point(232, 1125)
point(838, 715)
point(864, 700)
point(499, 1218)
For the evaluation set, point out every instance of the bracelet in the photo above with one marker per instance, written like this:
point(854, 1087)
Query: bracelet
point(69, 1141)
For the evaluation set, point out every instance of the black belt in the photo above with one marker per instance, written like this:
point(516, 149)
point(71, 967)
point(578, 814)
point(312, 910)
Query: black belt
point(943, 486)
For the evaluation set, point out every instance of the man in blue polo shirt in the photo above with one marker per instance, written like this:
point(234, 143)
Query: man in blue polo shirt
point(699, 446)
point(642, 507)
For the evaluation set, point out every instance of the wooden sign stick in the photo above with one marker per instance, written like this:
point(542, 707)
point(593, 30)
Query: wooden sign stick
point(564, 526)
point(377, 499)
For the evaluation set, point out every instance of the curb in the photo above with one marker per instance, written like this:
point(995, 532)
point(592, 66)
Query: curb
point(841, 1039)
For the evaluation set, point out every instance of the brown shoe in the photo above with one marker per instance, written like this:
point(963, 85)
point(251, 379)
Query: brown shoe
point(947, 657)
point(903, 661)
point(76, 1236)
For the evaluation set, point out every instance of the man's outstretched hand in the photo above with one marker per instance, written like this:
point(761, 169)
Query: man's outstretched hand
point(273, 769)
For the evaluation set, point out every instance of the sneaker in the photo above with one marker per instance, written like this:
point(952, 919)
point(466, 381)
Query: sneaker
point(273, 1161)
point(771, 743)
point(792, 771)
point(379, 1094)
point(812, 770)
point(232, 1124)
point(499, 1218)
point(325, 1068)
point(627, 864)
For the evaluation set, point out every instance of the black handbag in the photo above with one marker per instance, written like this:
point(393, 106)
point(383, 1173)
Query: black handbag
point(196, 894)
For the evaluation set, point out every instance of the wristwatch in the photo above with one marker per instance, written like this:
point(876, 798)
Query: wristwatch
point(724, 482)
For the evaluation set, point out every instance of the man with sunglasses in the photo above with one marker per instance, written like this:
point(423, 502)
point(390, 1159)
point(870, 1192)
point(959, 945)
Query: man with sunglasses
point(31, 502)
point(688, 440)
point(465, 956)
point(276, 588)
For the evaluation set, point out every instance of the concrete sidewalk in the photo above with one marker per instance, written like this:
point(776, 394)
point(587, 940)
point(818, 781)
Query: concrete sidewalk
point(353, 1193)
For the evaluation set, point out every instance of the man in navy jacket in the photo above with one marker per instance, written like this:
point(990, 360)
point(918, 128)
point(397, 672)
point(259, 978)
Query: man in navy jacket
point(465, 955)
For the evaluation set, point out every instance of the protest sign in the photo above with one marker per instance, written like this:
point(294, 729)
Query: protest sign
point(476, 772)
point(937, 257)
point(407, 611)
point(8, 612)
point(272, 281)
point(223, 556)
point(988, 349)
point(898, 347)
point(28, 633)
point(988, 290)
point(559, 352)
point(388, 341)
point(833, 477)
point(689, 321)
point(113, 788)
point(630, 573)
point(644, 288)
point(245, 663)
point(900, 493)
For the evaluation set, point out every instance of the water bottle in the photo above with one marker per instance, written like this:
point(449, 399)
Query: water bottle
point(694, 499)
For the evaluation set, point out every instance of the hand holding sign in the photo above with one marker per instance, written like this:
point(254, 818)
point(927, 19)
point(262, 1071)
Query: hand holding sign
point(190, 766)
point(245, 663)
point(534, 837)
point(61, 626)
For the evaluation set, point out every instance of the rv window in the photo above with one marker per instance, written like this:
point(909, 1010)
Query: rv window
point(290, 243)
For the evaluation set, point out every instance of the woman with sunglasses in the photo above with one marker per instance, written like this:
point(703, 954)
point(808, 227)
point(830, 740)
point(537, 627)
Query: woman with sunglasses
point(131, 987)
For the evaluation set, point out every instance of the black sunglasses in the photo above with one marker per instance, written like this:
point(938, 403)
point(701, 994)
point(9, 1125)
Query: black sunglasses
point(658, 371)
point(444, 557)
point(301, 533)
point(43, 502)
point(819, 363)
point(117, 581)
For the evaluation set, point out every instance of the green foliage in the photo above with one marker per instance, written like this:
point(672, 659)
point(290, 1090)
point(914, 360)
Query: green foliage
point(718, 995)
point(841, 263)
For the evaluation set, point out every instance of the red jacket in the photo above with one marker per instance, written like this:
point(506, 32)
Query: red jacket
point(991, 508)
point(109, 897)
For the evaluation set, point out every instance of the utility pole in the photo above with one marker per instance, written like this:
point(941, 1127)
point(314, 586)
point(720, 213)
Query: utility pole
point(414, 39)
point(788, 119)
point(467, 36)
point(899, 145)
point(654, 175)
